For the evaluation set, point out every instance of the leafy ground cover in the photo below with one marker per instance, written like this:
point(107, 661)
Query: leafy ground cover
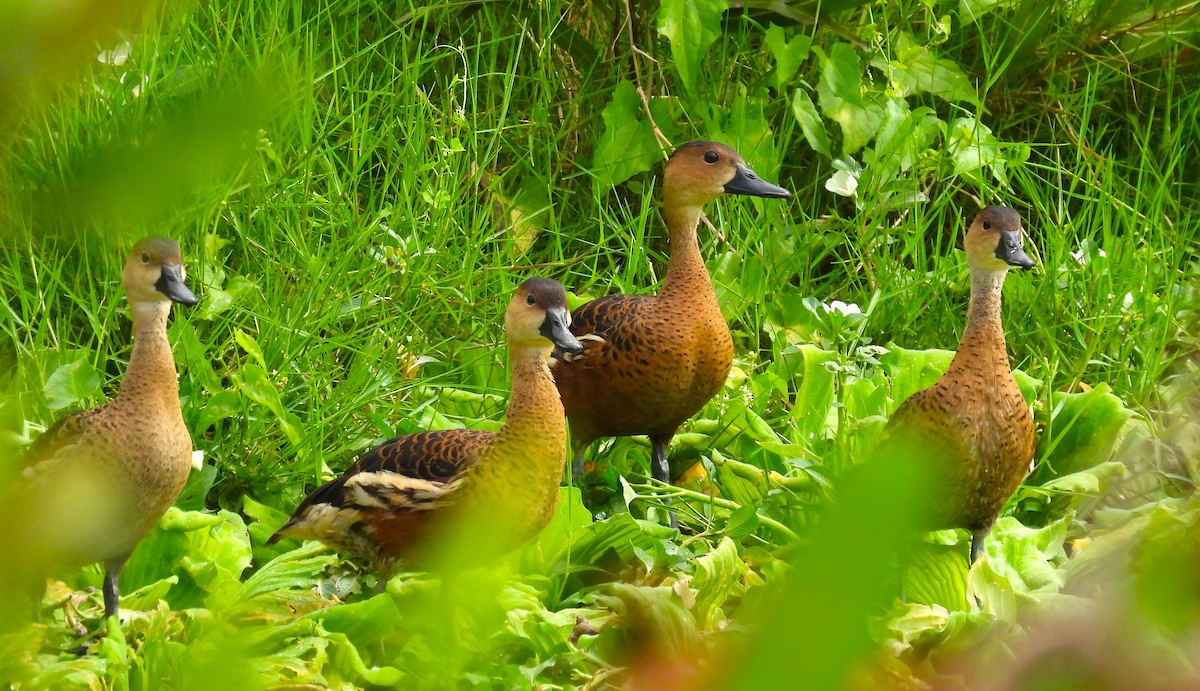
point(358, 189)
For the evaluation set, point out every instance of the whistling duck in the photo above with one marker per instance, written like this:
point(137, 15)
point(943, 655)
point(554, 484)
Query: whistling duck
point(384, 507)
point(99, 480)
point(651, 362)
point(973, 425)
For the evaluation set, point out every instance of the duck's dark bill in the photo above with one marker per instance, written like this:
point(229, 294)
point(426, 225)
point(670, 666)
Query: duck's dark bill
point(747, 182)
point(555, 328)
point(171, 284)
point(1012, 250)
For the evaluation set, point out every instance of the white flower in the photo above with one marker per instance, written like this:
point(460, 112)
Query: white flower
point(843, 183)
point(842, 308)
point(117, 56)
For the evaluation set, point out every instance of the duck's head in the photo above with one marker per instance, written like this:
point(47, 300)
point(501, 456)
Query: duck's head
point(538, 318)
point(994, 241)
point(700, 171)
point(154, 273)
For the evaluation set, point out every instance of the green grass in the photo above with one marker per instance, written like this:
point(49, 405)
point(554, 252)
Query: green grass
point(358, 189)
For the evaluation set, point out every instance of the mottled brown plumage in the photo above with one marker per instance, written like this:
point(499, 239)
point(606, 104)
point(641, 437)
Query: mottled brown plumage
point(503, 485)
point(973, 425)
point(100, 479)
point(651, 362)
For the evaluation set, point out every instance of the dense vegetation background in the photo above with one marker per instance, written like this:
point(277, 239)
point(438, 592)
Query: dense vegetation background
point(358, 188)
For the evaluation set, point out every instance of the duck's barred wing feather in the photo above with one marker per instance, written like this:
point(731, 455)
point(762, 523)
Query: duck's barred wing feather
point(410, 472)
point(56, 442)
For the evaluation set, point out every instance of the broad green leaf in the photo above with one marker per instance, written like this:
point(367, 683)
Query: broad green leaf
point(1083, 430)
point(789, 54)
point(745, 124)
point(1088, 482)
point(748, 422)
point(815, 394)
point(208, 552)
point(218, 555)
point(1028, 385)
point(570, 520)
point(744, 488)
point(219, 406)
point(994, 591)
point(937, 575)
point(248, 344)
point(909, 371)
point(627, 146)
point(148, 596)
point(842, 99)
point(293, 570)
point(115, 652)
point(916, 69)
point(364, 622)
point(810, 122)
point(717, 574)
point(529, 213)
point(858, 125)
point(865, 402)
point(216, 299)
point(1036, 504)
point(267, 516)
point(973, 148)
point(193, 357)
point(1027, 559)
point(71, 383)
point(903, 138)
point(690, 26)
point(621, 533)
point(841, 74)
point(923, 629)
point(742, 523)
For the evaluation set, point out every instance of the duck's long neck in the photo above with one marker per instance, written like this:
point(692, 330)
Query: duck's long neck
point(983, 341)
point(687, 276)
point(150, 378)
point(535, 417)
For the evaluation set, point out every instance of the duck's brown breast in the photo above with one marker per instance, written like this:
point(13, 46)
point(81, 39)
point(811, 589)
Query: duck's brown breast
point(657, 364)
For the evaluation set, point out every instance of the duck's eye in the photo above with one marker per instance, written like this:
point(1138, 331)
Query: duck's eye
point(145, 257)
point(530, 300)
point(711, 157)
point(987, 224)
